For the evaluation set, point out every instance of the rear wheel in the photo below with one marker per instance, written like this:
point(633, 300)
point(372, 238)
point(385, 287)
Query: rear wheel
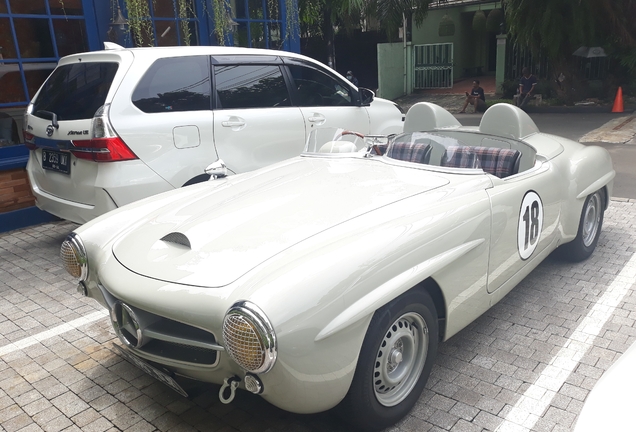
point(590, 226)
point(395, 360)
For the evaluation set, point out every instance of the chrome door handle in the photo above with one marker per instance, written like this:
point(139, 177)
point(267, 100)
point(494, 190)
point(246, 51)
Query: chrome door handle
point(235, 123)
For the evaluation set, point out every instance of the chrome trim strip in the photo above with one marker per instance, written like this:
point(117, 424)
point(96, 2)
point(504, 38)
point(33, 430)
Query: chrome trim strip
point(78, 246)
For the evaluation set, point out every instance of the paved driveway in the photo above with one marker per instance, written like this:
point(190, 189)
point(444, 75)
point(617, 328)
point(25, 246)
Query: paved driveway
point(527, 364)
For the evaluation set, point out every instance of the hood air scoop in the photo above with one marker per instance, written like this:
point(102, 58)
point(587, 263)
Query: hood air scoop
point(178, 238)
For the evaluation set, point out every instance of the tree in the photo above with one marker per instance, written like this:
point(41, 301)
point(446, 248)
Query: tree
point(324, 16)
point(559, 27)
point(391, 12)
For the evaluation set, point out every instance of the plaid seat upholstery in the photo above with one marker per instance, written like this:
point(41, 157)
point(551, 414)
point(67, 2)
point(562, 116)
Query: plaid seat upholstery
point(380, 149)
point(499, 162)
point(410, 152)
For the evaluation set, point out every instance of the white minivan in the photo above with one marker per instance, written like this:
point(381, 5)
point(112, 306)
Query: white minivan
point(111, 127)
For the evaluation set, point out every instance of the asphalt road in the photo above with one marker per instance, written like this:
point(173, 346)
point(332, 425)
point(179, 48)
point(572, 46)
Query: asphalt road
point(574, 126)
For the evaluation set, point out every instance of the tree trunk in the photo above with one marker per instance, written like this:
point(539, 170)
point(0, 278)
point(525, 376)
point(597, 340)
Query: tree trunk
point(567, 83)
point(329, 33)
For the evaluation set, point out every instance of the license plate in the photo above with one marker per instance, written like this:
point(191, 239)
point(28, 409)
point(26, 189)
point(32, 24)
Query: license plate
point(151, 370)
point(56, 161)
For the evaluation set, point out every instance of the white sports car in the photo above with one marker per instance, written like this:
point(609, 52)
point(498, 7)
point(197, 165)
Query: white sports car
point(330, 278)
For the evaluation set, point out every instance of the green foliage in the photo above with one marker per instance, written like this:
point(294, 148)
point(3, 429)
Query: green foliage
point(139, 22)
point(390, 12)
point(183, 11)
point(509, 88)
point(556, 26)
point(222, 17)
point(544, 88)
point(559, 27)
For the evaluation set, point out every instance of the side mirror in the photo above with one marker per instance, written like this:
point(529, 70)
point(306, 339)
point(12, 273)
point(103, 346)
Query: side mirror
point(366, 96)
point(217, 170)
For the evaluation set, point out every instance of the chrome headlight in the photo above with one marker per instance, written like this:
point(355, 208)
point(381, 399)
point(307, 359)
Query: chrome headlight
point(249, 337)
point(74, 258)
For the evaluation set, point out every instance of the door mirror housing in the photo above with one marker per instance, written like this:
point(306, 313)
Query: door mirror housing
point(216, 170)
point(366, 96)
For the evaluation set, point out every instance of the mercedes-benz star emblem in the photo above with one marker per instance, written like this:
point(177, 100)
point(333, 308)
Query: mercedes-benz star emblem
point(126, 325)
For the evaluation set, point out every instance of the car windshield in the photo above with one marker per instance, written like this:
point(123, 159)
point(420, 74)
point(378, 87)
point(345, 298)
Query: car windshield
point(334, 140)
point(495, 157)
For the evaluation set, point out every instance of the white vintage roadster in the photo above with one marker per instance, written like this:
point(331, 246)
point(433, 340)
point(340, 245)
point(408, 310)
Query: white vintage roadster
point(330, 278)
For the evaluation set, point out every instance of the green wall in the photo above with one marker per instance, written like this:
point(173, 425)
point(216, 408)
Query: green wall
point(391, 70)
point(470, 48)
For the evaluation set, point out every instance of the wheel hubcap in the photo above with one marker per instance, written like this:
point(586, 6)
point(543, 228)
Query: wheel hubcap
point(591, 219)
point(400, 359)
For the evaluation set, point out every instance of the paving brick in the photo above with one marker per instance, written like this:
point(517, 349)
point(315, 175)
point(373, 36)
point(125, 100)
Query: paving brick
point(69, 403)
point(17, 423)
point(37, 406)
point(75, 381)
point(49, 387)
point(464, 426)
point(99, 425)
point(102, 402)
point(121, 416)
point(9, 412)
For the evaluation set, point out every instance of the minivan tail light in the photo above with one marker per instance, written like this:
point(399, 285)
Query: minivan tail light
point(29, 140)
point(106, 146)
point(102, 150)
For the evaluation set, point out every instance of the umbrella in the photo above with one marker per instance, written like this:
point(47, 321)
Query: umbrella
point(590, 52)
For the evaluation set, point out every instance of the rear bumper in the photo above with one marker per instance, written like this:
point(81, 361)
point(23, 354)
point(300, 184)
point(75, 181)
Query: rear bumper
point(73, 211)
point(117, 184)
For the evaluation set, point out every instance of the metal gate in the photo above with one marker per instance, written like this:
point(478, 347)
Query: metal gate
point(433, 66)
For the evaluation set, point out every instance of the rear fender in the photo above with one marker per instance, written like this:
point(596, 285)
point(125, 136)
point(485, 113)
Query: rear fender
point(590, 170)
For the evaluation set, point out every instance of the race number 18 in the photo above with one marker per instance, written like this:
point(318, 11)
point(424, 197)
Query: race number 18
point(530, 224)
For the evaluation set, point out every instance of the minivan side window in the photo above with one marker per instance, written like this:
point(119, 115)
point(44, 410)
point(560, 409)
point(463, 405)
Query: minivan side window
point(76, 91)
point(316, 88)
point(174, 84)
point(250, 86)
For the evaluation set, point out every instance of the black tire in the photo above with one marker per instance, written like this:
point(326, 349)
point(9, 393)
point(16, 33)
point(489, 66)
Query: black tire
point(407, 325)
point(590, 226)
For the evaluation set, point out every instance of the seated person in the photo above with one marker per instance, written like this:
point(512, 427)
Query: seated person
point(526, 87)
point(476, 98)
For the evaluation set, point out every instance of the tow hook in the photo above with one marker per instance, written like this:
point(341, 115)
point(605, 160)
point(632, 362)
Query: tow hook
point(228, 388)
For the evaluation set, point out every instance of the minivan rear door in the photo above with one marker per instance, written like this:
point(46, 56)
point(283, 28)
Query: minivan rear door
point(62, 111)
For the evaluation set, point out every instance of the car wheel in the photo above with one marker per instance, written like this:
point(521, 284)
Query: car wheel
point(590, 225)
point(395, 361)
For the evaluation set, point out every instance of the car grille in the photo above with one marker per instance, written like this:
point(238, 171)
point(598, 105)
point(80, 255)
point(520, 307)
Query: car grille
point(170, 339)
point(177, 341)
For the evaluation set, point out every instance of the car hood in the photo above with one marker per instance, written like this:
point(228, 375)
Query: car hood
point(232, 227)
point(608, 407)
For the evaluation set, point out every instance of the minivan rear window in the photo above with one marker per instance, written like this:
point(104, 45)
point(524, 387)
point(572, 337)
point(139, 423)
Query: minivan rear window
point(75, 91)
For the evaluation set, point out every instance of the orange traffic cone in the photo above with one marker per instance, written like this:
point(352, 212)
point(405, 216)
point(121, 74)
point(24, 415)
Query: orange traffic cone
point(618, 101)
